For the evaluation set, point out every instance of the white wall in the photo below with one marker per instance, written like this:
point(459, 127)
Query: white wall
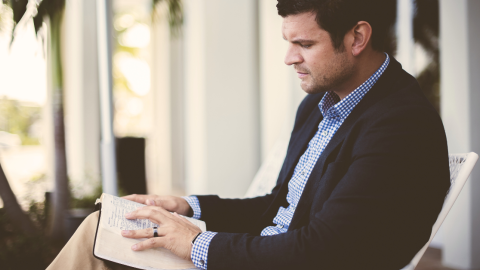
point(158, 143)
point(238, 89)
point(165, 102)
point(280, 88)
point(222, 96)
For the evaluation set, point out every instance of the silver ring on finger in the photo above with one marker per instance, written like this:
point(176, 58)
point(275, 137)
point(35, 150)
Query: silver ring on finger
point(155, 231)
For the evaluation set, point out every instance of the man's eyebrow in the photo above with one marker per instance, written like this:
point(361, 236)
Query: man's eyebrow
point(301, 40)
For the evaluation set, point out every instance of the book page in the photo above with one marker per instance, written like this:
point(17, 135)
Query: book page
point(115, 208)
point(112, 246)
point(113, 214)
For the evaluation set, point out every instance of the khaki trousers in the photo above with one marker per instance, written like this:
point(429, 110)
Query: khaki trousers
point(78, 252)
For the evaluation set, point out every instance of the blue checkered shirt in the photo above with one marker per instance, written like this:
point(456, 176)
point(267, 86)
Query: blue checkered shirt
point(334, 112)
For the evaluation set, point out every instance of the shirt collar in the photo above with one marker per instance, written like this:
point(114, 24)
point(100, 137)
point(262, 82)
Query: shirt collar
point(331, 106)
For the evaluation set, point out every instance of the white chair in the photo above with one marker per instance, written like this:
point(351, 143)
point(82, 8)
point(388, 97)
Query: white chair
point(266, 177)
point(461, 165)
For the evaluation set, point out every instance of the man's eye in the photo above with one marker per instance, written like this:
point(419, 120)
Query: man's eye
point(306, 46)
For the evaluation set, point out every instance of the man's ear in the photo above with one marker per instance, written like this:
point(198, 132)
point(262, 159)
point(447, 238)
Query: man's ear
point(360, 37)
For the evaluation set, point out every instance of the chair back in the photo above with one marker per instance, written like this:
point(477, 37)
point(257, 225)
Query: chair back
point(461, 165)
point(266, 177)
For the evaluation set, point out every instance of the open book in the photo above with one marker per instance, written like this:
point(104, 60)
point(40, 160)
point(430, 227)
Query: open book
point(110, 245)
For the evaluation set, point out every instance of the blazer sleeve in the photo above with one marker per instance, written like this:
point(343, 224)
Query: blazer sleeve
point(379, 213)
point(234, 215)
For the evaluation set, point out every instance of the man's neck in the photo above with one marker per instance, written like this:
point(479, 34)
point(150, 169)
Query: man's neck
point(367, 66)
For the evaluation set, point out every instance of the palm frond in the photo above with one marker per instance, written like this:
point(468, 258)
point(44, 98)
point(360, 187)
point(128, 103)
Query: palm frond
point(50, 8)
point(175, 13)
point(426, 25)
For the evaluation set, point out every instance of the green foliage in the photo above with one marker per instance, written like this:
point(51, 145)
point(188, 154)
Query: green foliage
point(429, 80)
point(18, 118)
point(19, 8)
point(18, 251)
point(426, 24)
point(87, 201)
point(50, 8)
point(175, 13)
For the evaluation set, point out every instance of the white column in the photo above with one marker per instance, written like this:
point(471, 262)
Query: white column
point(166, 142)
point(105, 78)
point(222, 96)
point(159, 142)
point(81, 95)
point(177, 99)
point(47, 140)
point(460, 92)
point(405, 42)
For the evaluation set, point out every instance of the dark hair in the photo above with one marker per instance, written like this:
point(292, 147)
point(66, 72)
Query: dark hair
point(337, 17)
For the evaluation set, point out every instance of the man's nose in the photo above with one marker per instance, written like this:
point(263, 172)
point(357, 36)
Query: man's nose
point(293, 56)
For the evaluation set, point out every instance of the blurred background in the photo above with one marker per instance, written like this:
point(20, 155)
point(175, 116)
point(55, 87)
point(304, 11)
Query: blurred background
point(185, 78)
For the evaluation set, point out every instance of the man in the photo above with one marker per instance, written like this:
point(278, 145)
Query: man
point(366, 170)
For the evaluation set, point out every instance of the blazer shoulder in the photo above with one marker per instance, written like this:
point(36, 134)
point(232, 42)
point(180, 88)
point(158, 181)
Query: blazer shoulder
point(410, 97)
point(403, 94)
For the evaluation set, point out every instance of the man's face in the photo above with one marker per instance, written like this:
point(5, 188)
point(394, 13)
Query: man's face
point(311, 52)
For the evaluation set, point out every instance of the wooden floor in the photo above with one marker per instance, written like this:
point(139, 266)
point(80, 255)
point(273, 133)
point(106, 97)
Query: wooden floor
point(432, 260)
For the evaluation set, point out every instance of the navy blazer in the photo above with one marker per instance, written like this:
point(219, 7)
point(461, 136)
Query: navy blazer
point(370, 201)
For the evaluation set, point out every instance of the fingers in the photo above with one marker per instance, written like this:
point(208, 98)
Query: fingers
point(180, 218)
point(167, 202)
point(150, 243)
point(152, 200)
point(145, 233)
point(153, 213)
point(175, 233)
point(171, 203)
point(137, 198)
point(144, 199)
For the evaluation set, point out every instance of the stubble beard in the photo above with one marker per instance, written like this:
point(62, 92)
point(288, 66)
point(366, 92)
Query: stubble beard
point(337, 72)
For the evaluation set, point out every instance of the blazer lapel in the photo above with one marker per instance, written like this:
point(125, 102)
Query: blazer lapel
point(297, 146)
point(378, 91)
point(300, 139)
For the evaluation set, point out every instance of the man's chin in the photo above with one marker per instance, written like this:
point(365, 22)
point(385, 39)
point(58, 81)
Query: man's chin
point(309, 89)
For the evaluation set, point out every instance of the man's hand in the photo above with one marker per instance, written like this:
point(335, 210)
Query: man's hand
point(170, 203)
point(175, 233)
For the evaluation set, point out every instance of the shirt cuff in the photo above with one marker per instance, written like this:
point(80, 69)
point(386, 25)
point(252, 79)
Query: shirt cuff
point(195, 205)
point(200, 249)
